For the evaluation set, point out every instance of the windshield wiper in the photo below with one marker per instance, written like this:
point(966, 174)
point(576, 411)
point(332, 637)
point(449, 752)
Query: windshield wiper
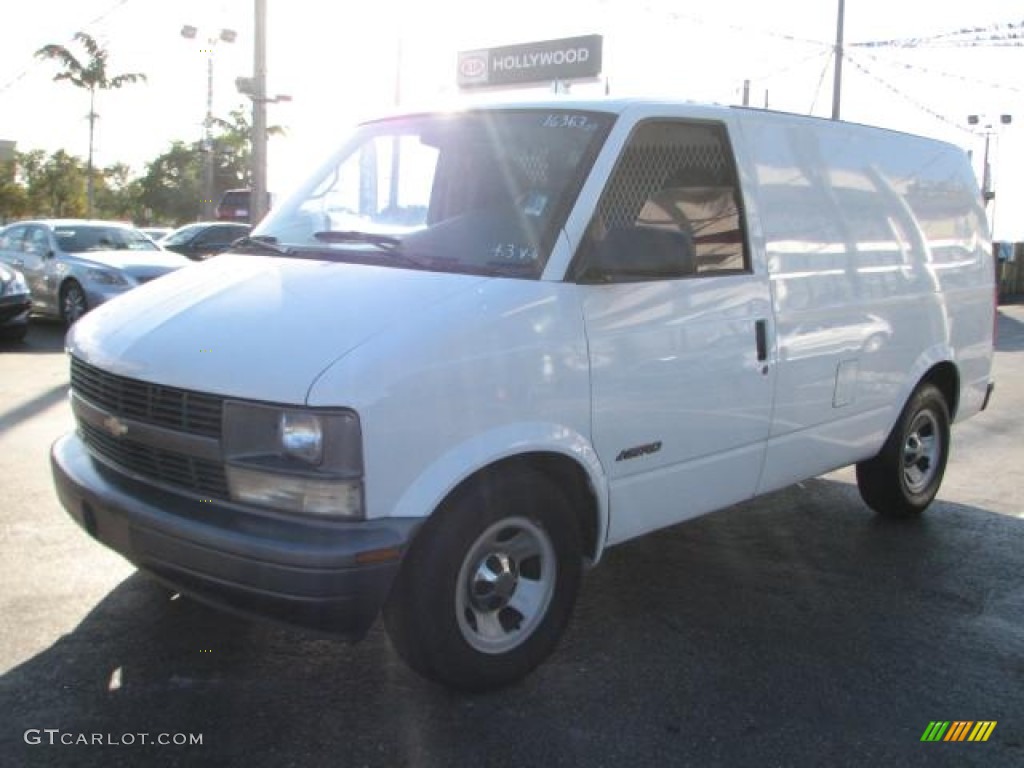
point(392, 246)
point(260, 244)
point(352, 236)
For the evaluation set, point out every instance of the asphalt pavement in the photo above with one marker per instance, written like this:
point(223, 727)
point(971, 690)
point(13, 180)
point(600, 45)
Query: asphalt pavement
point(793, 630)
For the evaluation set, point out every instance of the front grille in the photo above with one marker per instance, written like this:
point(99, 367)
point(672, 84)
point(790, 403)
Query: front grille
point(205, 478)
point(170, 407)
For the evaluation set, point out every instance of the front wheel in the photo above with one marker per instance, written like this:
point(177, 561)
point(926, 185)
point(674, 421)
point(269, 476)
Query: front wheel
point(73, 303)
point(905, 476)
point(489, 586)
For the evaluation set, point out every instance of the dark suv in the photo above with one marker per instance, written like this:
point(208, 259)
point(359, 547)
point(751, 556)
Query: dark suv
point(204, 238)
point(234, 206)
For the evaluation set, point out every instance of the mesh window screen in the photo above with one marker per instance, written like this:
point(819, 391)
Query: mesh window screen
point(680, 176)
point(662, 155)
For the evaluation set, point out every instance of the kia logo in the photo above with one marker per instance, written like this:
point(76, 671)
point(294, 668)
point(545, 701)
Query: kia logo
point(473, 66)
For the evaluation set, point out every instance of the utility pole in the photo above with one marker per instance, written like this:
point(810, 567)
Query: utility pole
point(258, 202)
point(837, 84)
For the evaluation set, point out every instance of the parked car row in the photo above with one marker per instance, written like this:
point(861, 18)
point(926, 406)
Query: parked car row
point(69, 266)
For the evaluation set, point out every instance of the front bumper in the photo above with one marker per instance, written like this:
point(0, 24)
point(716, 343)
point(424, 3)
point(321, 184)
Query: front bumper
point(14, 310)
point(323, 575)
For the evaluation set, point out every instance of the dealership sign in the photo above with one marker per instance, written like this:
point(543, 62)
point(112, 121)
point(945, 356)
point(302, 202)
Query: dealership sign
point(571, 58)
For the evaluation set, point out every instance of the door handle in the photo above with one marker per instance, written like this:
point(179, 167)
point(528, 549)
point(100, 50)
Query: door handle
point(761, 338)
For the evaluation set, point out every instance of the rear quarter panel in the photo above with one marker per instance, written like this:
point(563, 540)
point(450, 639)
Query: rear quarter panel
point(880, 264)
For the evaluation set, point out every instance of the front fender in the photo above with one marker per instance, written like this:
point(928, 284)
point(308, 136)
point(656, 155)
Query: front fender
point(426, 493)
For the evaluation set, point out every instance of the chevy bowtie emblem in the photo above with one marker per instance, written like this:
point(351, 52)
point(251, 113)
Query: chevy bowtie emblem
point(115, 426)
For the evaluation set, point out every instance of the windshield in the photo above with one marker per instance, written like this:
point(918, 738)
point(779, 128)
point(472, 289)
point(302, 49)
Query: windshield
point(80, 238)
point(183, 235)
point(482, 192)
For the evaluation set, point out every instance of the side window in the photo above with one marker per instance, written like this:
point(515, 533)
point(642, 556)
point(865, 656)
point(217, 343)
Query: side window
point(671, 209)
point(36, 241)
point(13, 240)
point(212, 236)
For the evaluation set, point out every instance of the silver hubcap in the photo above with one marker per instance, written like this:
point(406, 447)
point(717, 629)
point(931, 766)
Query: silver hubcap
point(505, 585)
point(921, 451)
point(74, 305)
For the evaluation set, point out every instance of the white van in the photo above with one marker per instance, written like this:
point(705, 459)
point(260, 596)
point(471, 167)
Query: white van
point(479, 347)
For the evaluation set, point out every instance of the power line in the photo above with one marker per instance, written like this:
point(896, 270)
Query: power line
point(941, 73)
point(679, 16)
point(908, 98)
point(827, 52)
point(821, 81)
point(1008, 34)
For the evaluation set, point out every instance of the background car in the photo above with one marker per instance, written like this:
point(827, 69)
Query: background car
point(14, 304)
point(156, 232)
point(234, 206)
point(204, 238)
point(72, 265)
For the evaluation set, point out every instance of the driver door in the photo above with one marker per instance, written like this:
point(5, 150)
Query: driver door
point(677, 322)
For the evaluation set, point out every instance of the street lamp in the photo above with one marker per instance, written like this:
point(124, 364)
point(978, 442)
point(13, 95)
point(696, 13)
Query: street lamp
point(987, 193)
point(226, 36)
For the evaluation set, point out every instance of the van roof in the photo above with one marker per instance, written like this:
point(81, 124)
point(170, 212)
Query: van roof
point(613, 105)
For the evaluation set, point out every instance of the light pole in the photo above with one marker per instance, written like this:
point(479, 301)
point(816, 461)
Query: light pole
point(837, 81)
point(255, 88)
point(259, 198)
point(987, 193)
point(227, 36)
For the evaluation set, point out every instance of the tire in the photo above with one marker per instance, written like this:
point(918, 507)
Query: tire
point(489, 585)
point(73, 303)
point(904, 477)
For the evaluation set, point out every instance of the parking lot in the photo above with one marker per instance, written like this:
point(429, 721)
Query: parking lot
point(792, 630)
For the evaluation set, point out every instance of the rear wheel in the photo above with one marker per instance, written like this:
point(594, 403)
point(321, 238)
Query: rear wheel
point(489, 586)
point(905, 476)
point(73, 303)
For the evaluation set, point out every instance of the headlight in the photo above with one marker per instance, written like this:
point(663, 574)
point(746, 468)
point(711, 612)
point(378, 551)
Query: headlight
point(105, 277)
point(294, 459)
point(302, 436)
point(15, 286)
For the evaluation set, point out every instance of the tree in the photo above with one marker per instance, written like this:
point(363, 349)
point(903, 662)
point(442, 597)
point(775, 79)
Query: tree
point(118, 194)
point(232, 146)
point(55, 185)
point(13, 197)
point(91, 76)
point(171, 189)
point(172, 185)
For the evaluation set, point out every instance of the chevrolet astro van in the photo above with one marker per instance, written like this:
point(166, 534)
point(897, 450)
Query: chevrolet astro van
point(479, 347)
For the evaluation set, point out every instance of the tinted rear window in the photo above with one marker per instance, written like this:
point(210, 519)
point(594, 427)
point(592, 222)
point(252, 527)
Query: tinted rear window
point(76, 239)
point(238, 198)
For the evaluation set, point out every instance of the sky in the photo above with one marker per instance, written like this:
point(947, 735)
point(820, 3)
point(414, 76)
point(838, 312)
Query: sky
point(340, 62)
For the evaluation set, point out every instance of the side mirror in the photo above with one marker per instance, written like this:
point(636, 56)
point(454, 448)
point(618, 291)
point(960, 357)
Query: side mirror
point(635, 254)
